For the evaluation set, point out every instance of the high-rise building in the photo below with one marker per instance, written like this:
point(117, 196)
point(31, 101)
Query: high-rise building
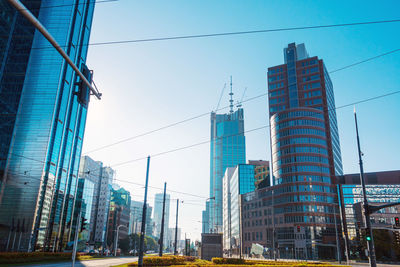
point(136, 218)
point(227, 149)
point(305, 155)
point(237, 181)
point(158, 211)
point(119, 215)
point(381, 188)
point(42, 123)
point(103, 206)
point(261, 173)
point(226, 207)
point(205, 219)
point(100, 178)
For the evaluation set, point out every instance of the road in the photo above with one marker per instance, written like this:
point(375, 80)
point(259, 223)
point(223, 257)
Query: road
point(91, 263)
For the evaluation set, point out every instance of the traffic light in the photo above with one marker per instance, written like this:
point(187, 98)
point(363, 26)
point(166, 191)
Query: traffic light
point(83, 93)
point(298, 228)
point(83, 224)
point(368, 237)
point(396, 221)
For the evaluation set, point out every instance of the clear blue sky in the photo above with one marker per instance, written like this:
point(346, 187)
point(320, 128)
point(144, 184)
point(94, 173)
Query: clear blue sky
point(152, 84)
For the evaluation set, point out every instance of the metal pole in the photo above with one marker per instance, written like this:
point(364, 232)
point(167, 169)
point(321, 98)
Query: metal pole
point(185, 245)
point(143, 226)
point(371, 246)
point(240, 226)
point(162, 224)
point(76, 240)
point(36, 23)
point(343, 222)
point(230, 224)
point(273, 226)
point(116, 242)
point(176, 228)
point(337, 237)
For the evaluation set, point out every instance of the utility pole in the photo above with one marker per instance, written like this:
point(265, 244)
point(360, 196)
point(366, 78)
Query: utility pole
point(76, 240)
point(143, 226)
point(370, 240)
point(176, 228)
point(185, 245)
point(161, 240)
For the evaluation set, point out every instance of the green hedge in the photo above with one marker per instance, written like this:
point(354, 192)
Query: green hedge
point(164, 261)
point(228, 261)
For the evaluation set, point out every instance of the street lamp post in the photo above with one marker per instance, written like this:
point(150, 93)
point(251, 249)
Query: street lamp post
point(116, 239)
point(370, 241)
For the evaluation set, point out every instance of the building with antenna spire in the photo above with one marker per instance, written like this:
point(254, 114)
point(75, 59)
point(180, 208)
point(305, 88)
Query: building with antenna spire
point(227, 149)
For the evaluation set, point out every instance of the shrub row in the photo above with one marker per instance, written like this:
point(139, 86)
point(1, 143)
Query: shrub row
point(262, 265)
point(228, 261)
point(165, 261)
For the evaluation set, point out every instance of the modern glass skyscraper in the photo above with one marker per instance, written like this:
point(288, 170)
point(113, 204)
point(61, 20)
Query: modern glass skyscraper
point(42, 123)
point(227, 149)
point(305, 155)
point(158, 209)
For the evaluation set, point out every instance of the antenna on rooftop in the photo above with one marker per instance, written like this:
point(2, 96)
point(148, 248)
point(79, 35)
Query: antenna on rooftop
point(231, 99)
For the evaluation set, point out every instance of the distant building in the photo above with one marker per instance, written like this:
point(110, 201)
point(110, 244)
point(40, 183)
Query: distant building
point(382, 187)
point(158, 208)
point(226, 204)
point(119, 214)
point(99, 179)
point(306, 156)
point(205, 218)
point(227, 149)
point(42, 123)
point(171, 237)
point(261, 173)
point(136, 218)
point(103, 206)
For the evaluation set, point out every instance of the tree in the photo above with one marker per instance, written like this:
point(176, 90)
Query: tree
point(151, 243)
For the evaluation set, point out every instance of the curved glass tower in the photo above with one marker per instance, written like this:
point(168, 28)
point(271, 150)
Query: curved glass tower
point(305, 156)
point(42, 149)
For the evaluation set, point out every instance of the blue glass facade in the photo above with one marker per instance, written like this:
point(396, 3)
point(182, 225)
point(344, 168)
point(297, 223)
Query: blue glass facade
point(84, 204)
point(40, 173)
point(242, 182)
point(381, 188)
point(227, 149)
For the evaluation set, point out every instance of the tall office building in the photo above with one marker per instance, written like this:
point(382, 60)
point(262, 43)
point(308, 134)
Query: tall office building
point(99, 178)
point(135, 224)
point(158, 209)
point(42, 123)
point(227, 149)
point(305, 155)
point(120, 210)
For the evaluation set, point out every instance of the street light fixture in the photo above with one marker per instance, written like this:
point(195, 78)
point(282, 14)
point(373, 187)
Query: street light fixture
point(116, 239)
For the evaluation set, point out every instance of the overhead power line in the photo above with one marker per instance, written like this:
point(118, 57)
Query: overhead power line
point(207, 35)
point(366, 60)
point(208, 141)
point(225, 107)
point(251, 130)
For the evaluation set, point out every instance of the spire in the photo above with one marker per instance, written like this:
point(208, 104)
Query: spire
point(231, 98)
